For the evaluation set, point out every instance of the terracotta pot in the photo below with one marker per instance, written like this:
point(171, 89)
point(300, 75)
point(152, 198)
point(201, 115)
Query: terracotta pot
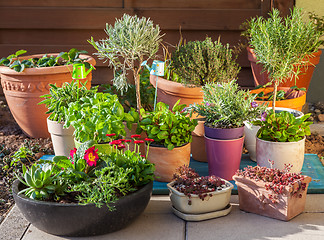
point(304, 78)
point(167, 161)
point(104, 148)
point(198, 151)
point(281, 153)
point(131, 132)
point(62, 138)
point(224, 133)
point(217, 201)
point(253, 197)
point(23, 90)
point(224, 156)
point(293, 103)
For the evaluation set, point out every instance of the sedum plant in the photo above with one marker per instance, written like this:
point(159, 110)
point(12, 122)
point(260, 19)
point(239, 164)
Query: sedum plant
point(283, 127)
point(281, 45)
point(130, 41)
point(200, 62)
point(225, 106)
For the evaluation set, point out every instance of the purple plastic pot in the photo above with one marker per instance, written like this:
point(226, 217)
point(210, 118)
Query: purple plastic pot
point(224, 156)
point(224, 133)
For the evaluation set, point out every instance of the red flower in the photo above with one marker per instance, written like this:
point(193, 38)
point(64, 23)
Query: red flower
point(91, 156)
point(111, 134)
point(122, 140)
point(72, 152)
point(115, 142)
point(128, 140)
point(149, 139)
point(138, 141)
point(121, 146)
point(135, 136)
point(143, 156)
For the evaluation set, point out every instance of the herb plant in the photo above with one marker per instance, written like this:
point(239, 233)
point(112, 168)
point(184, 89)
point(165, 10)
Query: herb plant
point(282, 45)
point(200, 62)
point(283, 127)
point(63, 58)
point(130, 41)
point(170, 128)
point(225, 106)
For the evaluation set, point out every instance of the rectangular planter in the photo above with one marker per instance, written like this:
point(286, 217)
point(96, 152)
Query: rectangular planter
point(253, 197)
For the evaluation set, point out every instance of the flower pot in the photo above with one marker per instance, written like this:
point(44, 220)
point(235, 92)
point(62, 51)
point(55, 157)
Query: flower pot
point(224, 156)
point(23, 90)
point(281, 153)
point(131, 132)
point(198, 151)
point(293, 103)
point(304, 78)
point(251, 130)
point(219, 200)
point(62, 138)
point(71, 219)
point(167, 161)
point(224, 133)
point(253, 197)
point(104, 148)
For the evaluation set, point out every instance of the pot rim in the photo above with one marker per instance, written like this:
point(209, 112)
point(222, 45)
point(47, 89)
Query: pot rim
point(224, 140)
point(225, 128)
point(280, 143)
point(162, 146)
point(229, 188)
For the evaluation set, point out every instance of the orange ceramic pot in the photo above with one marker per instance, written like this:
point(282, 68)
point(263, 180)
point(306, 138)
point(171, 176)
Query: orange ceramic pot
point(304, 78)
point(23, 90)
point(293, 103)
point(167, 161)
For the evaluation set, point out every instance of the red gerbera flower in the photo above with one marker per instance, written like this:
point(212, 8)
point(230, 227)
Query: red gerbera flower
point(128, 140)
point(91, 156)
point(111, 134)
point(149, 139)
point(115, 142)
point(138, 141)
point(135, 136)
point(121, 146)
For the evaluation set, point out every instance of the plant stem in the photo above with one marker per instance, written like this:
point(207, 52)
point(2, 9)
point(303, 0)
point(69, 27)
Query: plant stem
point(274, 95)
point(138, 93)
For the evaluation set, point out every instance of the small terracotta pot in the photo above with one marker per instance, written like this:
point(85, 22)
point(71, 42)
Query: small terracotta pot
point(224, 133)
point(304, 78)
point(280, 153)
point(224, 156)
point(253, 197)
point(293, 103)
point(62, 138)
point(167, 161)
point(23, 90)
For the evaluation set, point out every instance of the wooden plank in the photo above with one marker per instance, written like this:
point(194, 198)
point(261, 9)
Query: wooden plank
point(209, 4)
point(97, 17)
point(284, 6)
point(265, 7)
point(60, 3)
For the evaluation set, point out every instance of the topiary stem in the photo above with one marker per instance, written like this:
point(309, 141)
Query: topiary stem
point(274, 95)
point(138, 93)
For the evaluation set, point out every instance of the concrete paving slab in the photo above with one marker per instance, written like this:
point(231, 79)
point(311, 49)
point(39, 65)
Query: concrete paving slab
point(317, 128)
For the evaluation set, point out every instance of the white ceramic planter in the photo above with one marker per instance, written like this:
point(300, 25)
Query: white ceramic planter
point(280, 153)
point(251, 130)
point(62, 138)
point(218, 201)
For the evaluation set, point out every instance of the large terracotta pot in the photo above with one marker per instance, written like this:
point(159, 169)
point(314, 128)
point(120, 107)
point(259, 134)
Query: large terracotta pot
point(167, 161)
point(304, 78)
point(23, 90)
point(253, 197)
point(293, 103)
point(281, 153)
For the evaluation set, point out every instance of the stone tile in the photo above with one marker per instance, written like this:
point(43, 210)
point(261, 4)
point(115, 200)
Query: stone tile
point(314, 203)
point(317, 128)
point(14, 225)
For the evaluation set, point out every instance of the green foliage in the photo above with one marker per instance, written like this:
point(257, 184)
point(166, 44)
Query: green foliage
point(171, 128)
point(283, 127)
point(200, 62)
point(225, 106)
point(59, 98)
point(281, 45)
point(95, 116)
point(64, 58)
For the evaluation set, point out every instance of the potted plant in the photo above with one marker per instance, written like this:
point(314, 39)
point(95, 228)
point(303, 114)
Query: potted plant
point(171, 131)
point(284, 48)
point(25, 78)
point(130, 41)
point(191, 66)
point(271, 192)
point(57, 102)
point(192, 195)
point(87, 194)
point(281, 139)
point(291, 42)
point(225, 109)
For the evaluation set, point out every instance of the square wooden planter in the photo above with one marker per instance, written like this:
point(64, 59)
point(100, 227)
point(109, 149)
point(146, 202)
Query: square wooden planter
point(254, 198)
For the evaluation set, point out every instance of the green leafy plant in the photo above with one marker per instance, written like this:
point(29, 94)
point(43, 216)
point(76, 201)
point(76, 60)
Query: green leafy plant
point(225, 106)
point(200, 62)
point(283, 127)
point(130, 41)
point(282, 45)
point(170, 128)
point(59, 98)
point(63, 58)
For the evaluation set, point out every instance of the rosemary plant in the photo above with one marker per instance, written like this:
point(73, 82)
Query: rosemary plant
point(130, 41)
